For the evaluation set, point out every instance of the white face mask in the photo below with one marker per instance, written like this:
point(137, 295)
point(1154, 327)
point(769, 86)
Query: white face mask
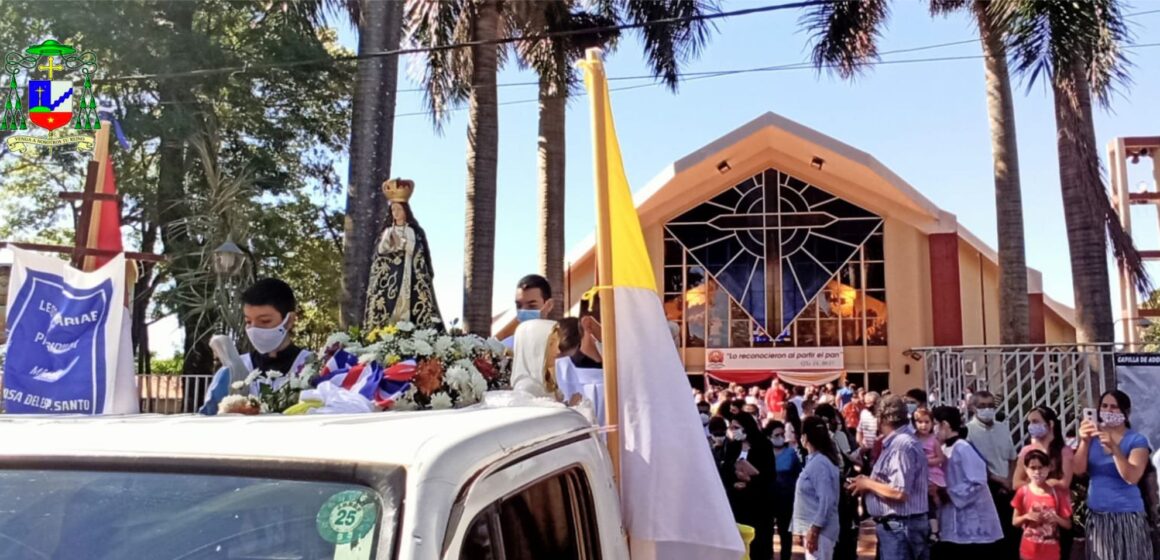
point(704, 419)
point(267, 340)
point(986, 415)
point(737, 435)
point(1112, 419)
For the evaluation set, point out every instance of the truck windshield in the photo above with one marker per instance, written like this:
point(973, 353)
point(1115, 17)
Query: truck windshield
point(172, 516)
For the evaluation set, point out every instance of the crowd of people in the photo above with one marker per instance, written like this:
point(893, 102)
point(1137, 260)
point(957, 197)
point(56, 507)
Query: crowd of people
point(811, 464)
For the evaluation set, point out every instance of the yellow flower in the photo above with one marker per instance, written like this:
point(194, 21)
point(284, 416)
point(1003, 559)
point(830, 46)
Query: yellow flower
point(393, 359)
point(373, 335)
point(390, 330)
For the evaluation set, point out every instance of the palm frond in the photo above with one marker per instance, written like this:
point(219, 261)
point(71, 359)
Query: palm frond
point(444, 74)
point(1049, 36)
point(946, 7)
point(553, 58)
point(669, 46)
point(845, 34)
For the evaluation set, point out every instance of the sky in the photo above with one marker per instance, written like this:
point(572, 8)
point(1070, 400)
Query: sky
point(926, 121)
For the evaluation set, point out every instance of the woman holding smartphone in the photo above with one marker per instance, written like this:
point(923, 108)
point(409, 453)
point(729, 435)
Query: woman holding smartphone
point(1115, 457)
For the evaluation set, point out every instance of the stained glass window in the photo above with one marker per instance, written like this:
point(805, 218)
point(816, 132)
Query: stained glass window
point(774, 245)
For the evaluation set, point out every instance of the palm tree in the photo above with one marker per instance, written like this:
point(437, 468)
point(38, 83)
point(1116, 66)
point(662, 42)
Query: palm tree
point(552, 60)
point(845, 35)
point(372, 132)
point(380, 26)
point(668, 46)
point(449, 77)
point(1077, 46)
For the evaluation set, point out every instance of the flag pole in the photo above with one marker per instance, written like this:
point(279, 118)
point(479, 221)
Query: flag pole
point(604, 263)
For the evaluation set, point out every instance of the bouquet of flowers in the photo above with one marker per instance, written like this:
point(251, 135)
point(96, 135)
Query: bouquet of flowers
point(269, 391)
point(401, 367)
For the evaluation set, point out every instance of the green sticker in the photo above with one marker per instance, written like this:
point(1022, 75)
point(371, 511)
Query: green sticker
point(347, 517)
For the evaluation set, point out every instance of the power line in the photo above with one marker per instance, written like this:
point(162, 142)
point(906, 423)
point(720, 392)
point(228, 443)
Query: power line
point(683, 74)
point(468, 44)
point(720, 73)
point(502, 41)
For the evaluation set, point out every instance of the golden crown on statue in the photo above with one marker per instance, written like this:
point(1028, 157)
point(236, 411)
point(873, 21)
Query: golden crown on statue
point(399, 190)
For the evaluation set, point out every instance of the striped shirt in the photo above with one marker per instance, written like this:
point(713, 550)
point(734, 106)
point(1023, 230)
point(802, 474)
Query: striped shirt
point(868, 428)
point(902, 465)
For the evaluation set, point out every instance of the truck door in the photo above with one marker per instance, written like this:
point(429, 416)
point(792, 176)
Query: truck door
point(554, 505)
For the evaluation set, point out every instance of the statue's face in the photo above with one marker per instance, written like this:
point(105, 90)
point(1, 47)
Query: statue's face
point(398, 214)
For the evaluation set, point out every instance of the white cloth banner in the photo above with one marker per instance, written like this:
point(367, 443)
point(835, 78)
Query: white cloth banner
point(67, 333)
point(674, 504)
point(1138, 375)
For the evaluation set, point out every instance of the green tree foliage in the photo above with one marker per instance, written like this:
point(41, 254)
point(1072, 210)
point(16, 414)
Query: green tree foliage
point(247, 154)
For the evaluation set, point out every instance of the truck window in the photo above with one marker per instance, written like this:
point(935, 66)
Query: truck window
point(103, 515)
point(553, 518)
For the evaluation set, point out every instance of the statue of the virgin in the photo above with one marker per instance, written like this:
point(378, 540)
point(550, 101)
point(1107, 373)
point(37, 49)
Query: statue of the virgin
point(402, 279)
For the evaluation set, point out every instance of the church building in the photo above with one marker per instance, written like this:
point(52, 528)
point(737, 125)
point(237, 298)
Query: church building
point(780, 251)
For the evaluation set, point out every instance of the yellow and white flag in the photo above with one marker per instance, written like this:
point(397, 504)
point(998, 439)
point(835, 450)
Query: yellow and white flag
point(673, 501)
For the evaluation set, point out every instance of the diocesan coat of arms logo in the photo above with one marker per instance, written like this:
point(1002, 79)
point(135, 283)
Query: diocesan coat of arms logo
point(52, 100)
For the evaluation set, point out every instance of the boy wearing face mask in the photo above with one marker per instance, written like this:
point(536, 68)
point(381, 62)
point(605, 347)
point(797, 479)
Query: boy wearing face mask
point(269, 308)
point(533, 301)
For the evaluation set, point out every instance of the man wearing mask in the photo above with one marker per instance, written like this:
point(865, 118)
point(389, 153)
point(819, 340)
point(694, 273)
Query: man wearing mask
point(703, 411)
point(533, 301)
point(993, 440)
point(269, 307)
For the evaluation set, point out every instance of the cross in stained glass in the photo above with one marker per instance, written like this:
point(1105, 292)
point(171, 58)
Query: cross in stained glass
point(772, 242)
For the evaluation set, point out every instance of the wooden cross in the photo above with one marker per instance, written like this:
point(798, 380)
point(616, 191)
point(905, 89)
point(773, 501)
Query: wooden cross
point(88, 196)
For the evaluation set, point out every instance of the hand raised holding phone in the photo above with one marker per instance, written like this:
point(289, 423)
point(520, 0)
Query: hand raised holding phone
point(1089, 426)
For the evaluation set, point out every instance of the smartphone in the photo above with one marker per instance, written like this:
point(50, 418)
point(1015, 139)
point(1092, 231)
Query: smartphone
point(1090, 415)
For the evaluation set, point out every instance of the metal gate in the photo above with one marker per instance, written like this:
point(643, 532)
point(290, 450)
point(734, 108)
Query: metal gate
point(1066, 378)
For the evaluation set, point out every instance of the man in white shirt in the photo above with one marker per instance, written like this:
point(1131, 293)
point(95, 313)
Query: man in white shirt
point(993, 440)
point(867, 432)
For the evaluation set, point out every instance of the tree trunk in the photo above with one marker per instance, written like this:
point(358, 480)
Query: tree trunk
point(482, 160)
point(1014, 320)
point(142, 295)
point(553, 111)
point(371, 138)
point(177, 101)
point(1086, 239)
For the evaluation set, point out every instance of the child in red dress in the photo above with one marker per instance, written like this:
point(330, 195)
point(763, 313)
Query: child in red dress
point(1041, 510)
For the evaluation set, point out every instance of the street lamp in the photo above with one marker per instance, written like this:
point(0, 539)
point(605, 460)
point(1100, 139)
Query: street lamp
point(228, 259)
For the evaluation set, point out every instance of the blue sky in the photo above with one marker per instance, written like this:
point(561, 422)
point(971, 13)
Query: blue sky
point(927, 121)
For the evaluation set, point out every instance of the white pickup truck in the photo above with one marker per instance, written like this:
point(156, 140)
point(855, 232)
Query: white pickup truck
point(479, 484)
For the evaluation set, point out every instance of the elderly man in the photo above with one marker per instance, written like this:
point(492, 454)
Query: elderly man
point(896, 490)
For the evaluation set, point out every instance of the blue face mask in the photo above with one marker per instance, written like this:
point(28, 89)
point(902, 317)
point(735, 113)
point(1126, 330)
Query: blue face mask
point(524, 315)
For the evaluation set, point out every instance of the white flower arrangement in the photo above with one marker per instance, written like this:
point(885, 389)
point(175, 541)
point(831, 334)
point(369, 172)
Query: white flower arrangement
point(441, 401)
point(423, 349)
point(240, 404)
point(451, 370)
point(341, 338)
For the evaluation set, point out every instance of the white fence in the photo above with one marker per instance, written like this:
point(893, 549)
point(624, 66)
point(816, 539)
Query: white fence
point(1066, 378)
